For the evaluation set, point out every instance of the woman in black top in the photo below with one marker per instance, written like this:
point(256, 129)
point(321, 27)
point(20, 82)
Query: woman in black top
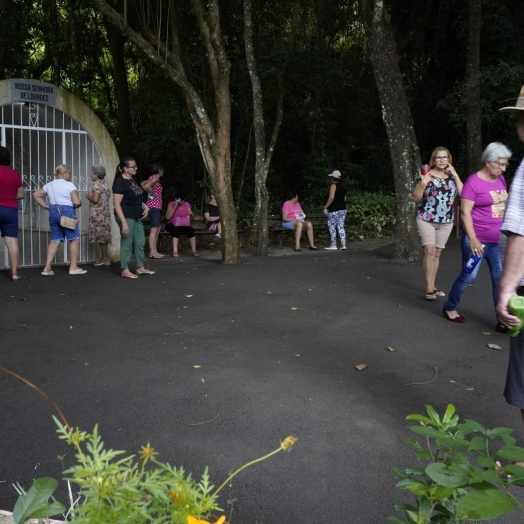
point(212, 217)
point(335, 209)
point(130, 209)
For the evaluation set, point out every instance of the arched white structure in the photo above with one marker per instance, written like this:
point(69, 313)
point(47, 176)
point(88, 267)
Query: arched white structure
point(52, 127)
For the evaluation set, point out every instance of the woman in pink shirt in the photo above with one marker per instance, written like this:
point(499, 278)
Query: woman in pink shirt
point(483, 201)
point(179, 215)
point(293, 218)
point(11, 190)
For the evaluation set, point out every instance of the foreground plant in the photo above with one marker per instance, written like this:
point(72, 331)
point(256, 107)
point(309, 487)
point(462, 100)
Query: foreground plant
point(132, 490)
point(463, 479)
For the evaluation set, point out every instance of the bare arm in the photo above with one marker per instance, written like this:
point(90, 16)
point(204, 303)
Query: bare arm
point(93, 196)
point(331, 196)
point(147, 185)
point(458, 182)
point(418, 192)
point(170, 210)
point(75, 198)
point(286, 217)
point(512, 273)
point(466, 206)
point(20, 193)
point(117, 201)
point(39, 197)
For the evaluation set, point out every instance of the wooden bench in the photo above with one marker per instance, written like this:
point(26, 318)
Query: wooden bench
point(319, 221)
point(197, 222)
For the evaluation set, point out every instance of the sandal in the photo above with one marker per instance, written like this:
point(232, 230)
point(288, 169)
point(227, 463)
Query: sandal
point(157, 257)
point(298, 249)
point(439, 293)
point(16, 277)
point(98, 264)
point(431, 296)
point(78, 271)
point(196, 255)
point(47, 273)
point(131, 275)
point(175, 254)
point(145, 272)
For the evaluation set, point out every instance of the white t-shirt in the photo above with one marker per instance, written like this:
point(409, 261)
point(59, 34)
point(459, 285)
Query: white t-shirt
point(59, 192)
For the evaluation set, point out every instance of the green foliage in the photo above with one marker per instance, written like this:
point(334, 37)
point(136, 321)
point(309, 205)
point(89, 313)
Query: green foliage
point(124, 489)
point(463, 480)
point(35, 503)
point(371, 214)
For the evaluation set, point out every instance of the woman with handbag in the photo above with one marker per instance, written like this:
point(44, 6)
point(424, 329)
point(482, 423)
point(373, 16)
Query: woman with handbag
point(178, 215)
point(130, 209)
point(63, 200)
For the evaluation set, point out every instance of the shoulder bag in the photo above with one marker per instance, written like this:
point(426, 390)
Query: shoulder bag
point(66, 222)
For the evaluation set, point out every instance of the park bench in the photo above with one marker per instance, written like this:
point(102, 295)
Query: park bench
point(319, 221)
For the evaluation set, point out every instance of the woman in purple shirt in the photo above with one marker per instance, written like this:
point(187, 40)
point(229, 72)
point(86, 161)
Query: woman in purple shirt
point(482, 206)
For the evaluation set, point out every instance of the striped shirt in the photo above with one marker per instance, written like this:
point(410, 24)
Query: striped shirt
point(514, 215)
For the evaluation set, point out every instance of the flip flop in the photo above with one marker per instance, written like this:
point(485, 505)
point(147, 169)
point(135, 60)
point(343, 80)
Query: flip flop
point(431, 296)
point(77, 271)
point(129, 276)
point(47, 273)
point(175, 254)
point(156, 257)
point(146, 272)
point(16, 278)
point(98, 264)
point(439, 293)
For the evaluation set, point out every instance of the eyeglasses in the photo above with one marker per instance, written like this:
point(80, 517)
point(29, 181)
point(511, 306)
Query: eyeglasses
point(131, 167)
point(441, 158)
point(501, 165)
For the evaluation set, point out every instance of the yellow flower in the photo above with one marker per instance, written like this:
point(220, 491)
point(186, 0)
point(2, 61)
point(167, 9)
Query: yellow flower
point(193, 520)
point(148, 452)
point(288, 442)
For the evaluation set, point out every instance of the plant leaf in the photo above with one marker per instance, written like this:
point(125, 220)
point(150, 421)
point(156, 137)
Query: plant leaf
point(484, 505)
point(511, 453)
point(38, 494)
point(449, 475)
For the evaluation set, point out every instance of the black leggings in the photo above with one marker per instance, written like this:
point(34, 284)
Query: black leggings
point(176, 231)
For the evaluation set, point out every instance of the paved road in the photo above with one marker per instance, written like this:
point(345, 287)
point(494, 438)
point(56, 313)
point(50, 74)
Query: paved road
point(121, 353)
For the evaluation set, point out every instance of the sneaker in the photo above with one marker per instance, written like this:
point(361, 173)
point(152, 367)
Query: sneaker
point(218, 236)
point(331, 248)
point(343, 247)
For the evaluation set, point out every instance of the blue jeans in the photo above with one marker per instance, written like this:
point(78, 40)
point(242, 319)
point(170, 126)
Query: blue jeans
point(492, 257)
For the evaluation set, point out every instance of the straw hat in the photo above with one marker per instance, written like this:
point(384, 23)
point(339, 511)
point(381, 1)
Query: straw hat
point(519, 106)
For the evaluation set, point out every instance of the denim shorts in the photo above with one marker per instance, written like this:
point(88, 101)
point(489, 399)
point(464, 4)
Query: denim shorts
point(9, 221)
point(155, 217)
point(59, 233)
point(288, 224)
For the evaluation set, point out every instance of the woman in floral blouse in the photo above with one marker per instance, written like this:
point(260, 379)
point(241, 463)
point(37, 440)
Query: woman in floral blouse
point(99, 215)
point(435, 194)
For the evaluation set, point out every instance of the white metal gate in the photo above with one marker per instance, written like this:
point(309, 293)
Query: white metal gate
point(40, 137)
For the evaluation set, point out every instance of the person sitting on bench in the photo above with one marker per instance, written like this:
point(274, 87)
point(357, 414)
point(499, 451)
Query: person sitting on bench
point(293, 218)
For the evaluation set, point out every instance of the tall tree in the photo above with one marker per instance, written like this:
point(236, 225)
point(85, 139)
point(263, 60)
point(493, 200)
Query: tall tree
point(263, 156)
point(472, 87)
point(159, 40)
point(396, 114)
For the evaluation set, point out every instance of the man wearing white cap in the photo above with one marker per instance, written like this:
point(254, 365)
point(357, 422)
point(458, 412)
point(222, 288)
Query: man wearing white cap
point(512, 278)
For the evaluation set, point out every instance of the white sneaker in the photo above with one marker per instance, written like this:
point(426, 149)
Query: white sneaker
point(343, 247)
point(331, 248)
point(218, 236)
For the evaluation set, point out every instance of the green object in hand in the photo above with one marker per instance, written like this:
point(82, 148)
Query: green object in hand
point(516, 307)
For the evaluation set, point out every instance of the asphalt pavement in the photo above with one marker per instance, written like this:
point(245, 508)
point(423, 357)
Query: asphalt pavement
point(277, 341)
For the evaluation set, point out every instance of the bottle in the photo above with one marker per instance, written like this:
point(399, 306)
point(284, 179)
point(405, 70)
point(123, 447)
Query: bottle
point(425, 170)
point(471, 264)
point(516, 306)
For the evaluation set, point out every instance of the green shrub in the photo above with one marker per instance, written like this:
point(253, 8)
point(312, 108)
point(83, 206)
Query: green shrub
point(371, 214)
point(463, 479)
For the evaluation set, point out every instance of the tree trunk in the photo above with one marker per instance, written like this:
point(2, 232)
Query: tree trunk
point(53, 40)
point(473, 109)
point(77, 70)
point(405, 158)
point(213, 137)
point(116, 43)
point(263, 157)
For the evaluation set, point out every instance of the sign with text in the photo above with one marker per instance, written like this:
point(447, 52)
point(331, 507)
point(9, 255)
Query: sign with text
point(33, 91)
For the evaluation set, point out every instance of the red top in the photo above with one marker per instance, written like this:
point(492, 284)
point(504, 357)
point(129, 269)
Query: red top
point(10, 181)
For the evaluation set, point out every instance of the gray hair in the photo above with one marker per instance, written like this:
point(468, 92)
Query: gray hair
point(494, 151)
point(99, 171)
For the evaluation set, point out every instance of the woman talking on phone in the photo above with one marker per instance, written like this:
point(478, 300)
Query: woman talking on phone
point(435, 194)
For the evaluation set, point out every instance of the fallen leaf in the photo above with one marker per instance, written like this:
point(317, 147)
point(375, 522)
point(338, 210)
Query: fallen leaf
point(493, 346)
point(391, 349)
point(486, 333)
point(360, 367)
point(70, 327)
point(23, 299)
point(196, 367)
point(293, 308)
point(189, 296)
